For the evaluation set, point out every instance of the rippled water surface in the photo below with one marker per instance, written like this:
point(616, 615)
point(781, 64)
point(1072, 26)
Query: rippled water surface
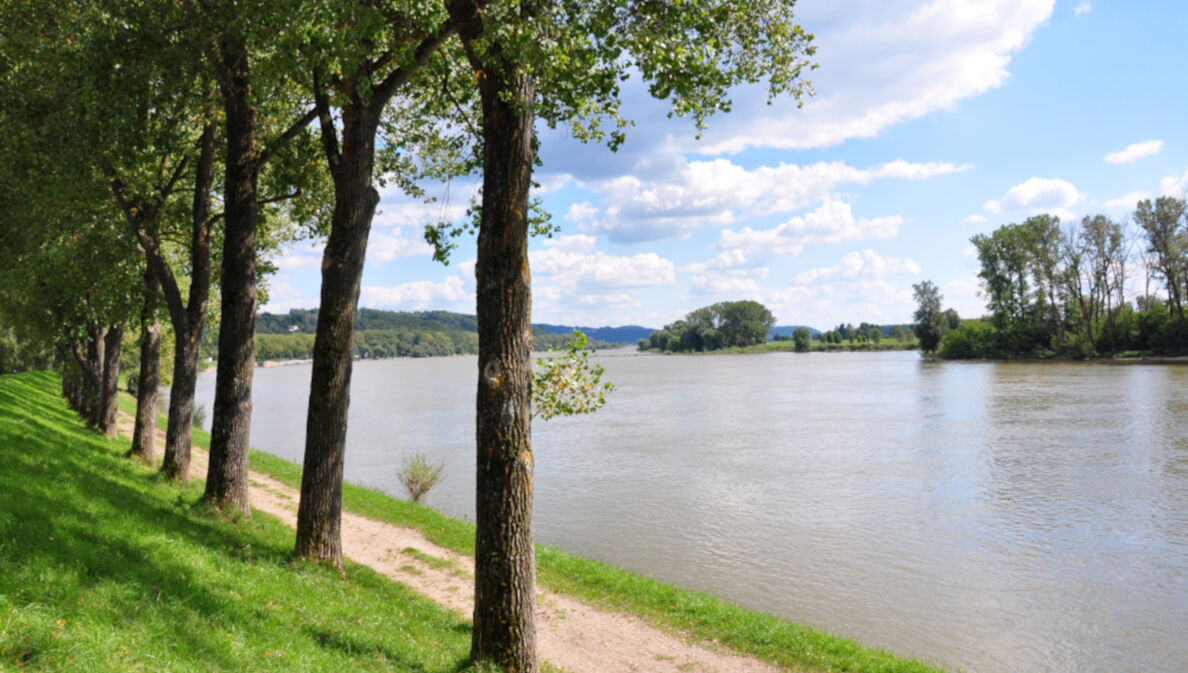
point(989, 517)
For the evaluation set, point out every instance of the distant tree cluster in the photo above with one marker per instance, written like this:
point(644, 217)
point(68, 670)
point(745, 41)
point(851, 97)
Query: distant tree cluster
point(726, 324)
point(847, 333)
point(1062, 290)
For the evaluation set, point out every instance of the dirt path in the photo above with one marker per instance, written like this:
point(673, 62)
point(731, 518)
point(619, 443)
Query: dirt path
point(571, 635)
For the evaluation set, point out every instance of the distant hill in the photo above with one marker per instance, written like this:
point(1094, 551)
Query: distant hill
point(627, 334)
point(786, 330)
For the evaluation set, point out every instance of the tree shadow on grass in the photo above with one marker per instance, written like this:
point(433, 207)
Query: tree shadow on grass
point(77, 521)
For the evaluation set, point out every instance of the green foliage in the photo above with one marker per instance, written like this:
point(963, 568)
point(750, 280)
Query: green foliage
point(418, 475)
point(972, 339)
point(1061, 290)
point(199, 417)
point(566, 383)
point(726, 324)
point(803, 339)
point(931, 321)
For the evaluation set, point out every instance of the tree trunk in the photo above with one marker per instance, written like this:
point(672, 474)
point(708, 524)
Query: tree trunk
point(505, 571)
point(226, 480)
point(189, 320)
point(145, 434)
point(110, 386)
point(319, 514)
point(92, 367)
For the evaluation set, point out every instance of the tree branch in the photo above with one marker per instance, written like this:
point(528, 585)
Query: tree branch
point(288, 135)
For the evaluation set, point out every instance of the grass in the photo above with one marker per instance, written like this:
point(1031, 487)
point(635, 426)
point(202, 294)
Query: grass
point(103, 567)
point(240, 570)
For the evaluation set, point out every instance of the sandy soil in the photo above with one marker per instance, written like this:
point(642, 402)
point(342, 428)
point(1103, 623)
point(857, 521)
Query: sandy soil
point(571, 635)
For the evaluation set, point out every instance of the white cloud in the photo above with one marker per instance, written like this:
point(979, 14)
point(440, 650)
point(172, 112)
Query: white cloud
point(833, 222)
point(385, 247)
point(821, 306)
point(882, 65)
point(416, 214)
point(578, 244)
point(722, 284)
point(854, 265)
point(1127, 201)
point(301, 257)
point(1038, 195)
point(579, 212)
point(415, 295)
point(1083, 8)
point(721, 192)
point(973, 219)
point(1173, 186)
point(727, 259)
point(569, 269)
point(1134, 152)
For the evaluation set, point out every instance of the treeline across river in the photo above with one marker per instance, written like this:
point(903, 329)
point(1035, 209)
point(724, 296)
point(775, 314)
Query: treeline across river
point(1074, 290)
point(386, 334)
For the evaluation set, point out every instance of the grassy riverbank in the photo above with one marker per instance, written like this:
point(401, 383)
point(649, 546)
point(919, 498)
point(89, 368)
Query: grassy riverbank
point(104, 567)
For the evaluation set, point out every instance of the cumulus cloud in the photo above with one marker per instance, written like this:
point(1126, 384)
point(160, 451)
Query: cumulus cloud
point(973, 219)
point(385, 247)
point(721, 192)
point(1127, 201)
point(570, 269)
point(1173, 186)
point(1083, 8)
point(420, 294)
point(1134, 152)
point(871, 300)
point(833, 222)
point(416, 214)
point(1038, 195)
point(579, 212)
point(854, 265)
point(882, 64)
point(726, 284)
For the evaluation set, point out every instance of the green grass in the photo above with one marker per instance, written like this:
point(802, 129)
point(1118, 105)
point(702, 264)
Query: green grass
point(103, 567)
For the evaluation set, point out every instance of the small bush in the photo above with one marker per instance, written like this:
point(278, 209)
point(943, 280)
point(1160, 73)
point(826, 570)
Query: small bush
point(199, 416)
point(419, 475)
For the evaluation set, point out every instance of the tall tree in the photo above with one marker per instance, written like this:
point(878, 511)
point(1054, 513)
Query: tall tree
point(565, 60)
point(383, 53)
point(930, 319)
point(1167, 240)
point(236, 35)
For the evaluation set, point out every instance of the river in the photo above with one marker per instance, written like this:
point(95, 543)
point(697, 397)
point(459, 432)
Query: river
point(992, 517)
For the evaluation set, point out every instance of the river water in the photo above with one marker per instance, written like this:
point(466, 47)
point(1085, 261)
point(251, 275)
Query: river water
point(987, 517)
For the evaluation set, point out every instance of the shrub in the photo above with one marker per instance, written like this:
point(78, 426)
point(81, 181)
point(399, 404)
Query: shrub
point(199, 416)
point(419, 475)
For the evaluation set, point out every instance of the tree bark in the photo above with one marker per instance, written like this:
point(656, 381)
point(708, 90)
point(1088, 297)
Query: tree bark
point(144, 434)
point(319, 514)
point(189, 320)
point(505, 569)
point(110, 382)
point(226, 480)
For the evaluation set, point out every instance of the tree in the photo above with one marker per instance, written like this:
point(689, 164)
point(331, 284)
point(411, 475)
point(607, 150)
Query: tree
point(802, 337)
point(363, 83)
point(565, 59)
point(1167, 241)
point(930, 321)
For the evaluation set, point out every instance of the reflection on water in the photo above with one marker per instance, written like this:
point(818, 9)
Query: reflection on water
point(988, 517)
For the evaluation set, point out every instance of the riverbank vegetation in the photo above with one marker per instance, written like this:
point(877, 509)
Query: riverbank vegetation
point(104, 567)
point(388, 334)
point(1076, 290)
point(727, 324)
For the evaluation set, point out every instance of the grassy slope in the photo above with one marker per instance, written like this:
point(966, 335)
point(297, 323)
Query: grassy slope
point(679, 610)
point(104, 568)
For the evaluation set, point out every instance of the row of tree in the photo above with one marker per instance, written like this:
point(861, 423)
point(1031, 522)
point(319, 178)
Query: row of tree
point(154, 151)
point(1073, 290)
point(726, 324)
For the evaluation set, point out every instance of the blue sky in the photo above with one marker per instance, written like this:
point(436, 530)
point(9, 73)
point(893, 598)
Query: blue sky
point(933, 121)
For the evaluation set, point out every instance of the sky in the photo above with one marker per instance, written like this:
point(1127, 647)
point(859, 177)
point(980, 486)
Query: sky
point(932, 122)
